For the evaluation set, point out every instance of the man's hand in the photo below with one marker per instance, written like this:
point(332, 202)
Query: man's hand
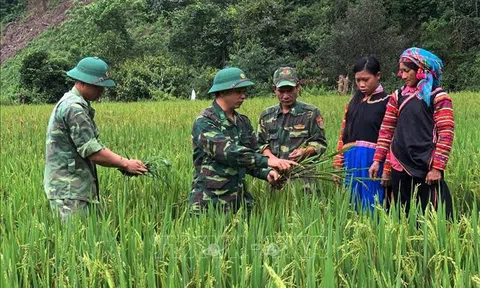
point(280, 164)
point(373, 171)
point(274, 179)
point(433, 176)
point(301, 153)
point(273, 176)
point(134, 166)
point(297, 154)
point(107, 158)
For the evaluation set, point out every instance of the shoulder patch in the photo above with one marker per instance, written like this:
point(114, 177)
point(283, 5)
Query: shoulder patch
point(320, 122)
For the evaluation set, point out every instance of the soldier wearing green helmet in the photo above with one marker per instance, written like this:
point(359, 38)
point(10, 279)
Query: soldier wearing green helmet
point(225, 149)
point(73, 147)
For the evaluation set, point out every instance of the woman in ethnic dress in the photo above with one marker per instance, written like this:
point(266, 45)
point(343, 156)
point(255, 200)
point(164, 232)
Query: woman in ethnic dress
point(417, 131)
point(360, 127)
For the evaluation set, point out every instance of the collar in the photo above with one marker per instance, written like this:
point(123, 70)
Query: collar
point(75, 92)
point(220, 113)
point(294, 110)
point(408, 90)
point(379, 89)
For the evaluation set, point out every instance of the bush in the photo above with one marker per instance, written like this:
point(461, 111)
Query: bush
point(11, 9)
point(202, 81)
point(259, 64)
point(155, 77)
point(43, 78)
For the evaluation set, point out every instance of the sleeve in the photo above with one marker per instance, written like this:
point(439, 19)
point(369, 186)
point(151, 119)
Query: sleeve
point(387, 129)
point(82, 131)
point(260, 173)
point(445, 123)
point(262, 135)
point(213, 142)
point(387, 166)
point(317, 138)
point(257, 172)
point(338, 159)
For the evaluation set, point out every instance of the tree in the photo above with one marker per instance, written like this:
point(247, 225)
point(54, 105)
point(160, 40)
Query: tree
point(265, 20)
point(11, 9)
point(202, 34)
point(101, 29)
point(460, 51)
point(159, 6)
point(44, 76)
point(364, 31)
point(258, 62)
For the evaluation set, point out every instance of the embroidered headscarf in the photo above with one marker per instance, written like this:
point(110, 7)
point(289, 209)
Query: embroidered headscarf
point(429, 72)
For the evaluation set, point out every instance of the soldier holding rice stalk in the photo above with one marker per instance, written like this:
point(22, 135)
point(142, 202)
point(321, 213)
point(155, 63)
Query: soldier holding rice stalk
point(225, 149)
point(73, 147)
point(291, 129)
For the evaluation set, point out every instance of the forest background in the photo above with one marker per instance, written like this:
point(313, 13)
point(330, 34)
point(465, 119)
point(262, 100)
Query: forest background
point(161, 50)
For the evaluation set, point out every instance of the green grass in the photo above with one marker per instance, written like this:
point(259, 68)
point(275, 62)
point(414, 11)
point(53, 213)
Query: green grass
point(145, 237)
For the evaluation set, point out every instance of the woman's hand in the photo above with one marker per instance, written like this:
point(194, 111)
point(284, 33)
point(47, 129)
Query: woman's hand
point(386, 179)
point(373, 171)
point(433, 176)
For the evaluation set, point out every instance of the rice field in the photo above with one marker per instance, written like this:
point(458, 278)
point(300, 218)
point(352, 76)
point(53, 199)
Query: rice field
point(144, 236)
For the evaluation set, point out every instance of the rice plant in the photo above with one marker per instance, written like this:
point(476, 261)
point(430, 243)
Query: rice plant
point(143, 235)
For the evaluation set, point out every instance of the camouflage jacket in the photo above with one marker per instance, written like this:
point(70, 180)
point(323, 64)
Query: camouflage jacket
point(224, 151)
point(72, 136)
point(282, 133)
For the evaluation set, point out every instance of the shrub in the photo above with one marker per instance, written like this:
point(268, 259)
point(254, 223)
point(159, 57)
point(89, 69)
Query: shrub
point(44, 76)
point(143, 78)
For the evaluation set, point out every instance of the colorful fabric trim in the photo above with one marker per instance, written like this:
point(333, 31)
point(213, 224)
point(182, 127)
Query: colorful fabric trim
point(444, 130)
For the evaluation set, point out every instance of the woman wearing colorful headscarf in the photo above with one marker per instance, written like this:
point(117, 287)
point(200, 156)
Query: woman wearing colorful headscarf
point(418, 130)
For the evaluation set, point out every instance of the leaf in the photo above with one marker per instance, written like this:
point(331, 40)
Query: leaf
point(276, 279)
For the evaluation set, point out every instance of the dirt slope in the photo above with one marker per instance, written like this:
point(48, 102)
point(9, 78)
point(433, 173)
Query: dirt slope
point(17, 34)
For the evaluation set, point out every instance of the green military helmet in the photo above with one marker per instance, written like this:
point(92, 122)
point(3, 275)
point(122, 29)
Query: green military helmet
point(285, 76)
point(92, 70)
point(229, 78)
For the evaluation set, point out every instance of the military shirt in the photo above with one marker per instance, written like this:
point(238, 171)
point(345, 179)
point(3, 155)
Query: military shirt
point(72, 136)
point(301, 127)
point(224, 151)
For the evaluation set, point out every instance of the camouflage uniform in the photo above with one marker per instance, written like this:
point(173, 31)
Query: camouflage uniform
point(224, 151)
point(70, 179)
point(301, 127)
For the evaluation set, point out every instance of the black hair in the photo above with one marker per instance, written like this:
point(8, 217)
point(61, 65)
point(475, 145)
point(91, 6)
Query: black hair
point(368, 63)
point(411, 65)
point(372, 66)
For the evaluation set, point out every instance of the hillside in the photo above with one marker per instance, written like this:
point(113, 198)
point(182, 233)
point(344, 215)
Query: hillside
point(162, 49)
point(18, 33)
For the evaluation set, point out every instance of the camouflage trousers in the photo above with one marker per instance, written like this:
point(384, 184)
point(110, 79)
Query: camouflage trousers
point(227, 203)
point(65, 208)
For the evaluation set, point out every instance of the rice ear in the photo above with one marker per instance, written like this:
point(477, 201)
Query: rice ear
point(314, 168)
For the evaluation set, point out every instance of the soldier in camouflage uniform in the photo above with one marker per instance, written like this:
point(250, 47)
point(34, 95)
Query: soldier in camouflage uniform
point(73, 147)
point(224, 149)
point(291, 130)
